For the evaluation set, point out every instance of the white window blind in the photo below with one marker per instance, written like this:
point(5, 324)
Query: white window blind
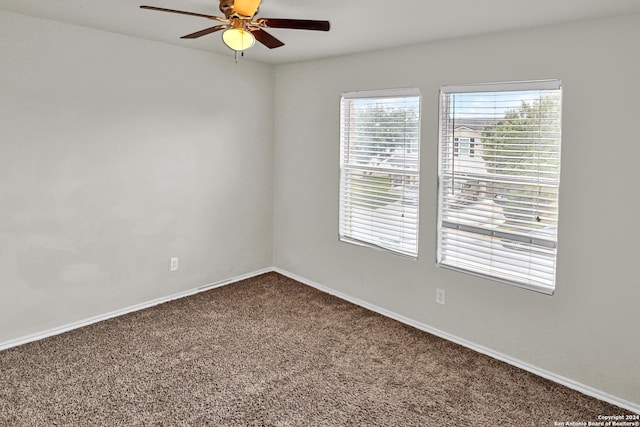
point(379, 169)
point(498, 202)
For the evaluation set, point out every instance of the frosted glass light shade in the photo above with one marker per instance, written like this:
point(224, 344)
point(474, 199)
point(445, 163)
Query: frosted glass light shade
point(238, 39)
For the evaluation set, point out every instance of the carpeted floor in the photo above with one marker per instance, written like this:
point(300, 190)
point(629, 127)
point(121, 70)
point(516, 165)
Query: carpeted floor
point(271, 351)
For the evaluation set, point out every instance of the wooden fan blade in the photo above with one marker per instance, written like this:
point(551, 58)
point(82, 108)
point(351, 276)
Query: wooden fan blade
point(204, 32)
point(265, 38)
point(296, 24)
point(246, 7)
point(161, 9)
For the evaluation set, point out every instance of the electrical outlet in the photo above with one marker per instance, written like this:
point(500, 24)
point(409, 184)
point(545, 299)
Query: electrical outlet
point(440, 296)
point(173, 264)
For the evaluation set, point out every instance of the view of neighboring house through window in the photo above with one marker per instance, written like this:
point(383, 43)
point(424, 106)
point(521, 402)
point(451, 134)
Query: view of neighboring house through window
point(462, 146)
point(498, 181)
point(379, 169)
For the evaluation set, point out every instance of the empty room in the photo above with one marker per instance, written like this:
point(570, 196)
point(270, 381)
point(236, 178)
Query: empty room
point(319, 213)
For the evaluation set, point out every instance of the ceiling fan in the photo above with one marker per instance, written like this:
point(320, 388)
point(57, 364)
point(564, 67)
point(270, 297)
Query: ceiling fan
point(241, 30)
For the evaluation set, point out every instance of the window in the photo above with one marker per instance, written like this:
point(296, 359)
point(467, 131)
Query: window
point(380, 169)
point(498, 198)
point(462, 146)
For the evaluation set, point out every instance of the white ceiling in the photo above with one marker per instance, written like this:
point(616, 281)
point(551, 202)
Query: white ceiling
point(356, 25)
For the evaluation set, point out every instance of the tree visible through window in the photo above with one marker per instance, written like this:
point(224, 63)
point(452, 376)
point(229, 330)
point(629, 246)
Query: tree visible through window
point(379, 169)
point(498, 208)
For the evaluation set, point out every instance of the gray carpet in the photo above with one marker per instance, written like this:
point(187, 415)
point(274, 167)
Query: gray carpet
point(270, 351)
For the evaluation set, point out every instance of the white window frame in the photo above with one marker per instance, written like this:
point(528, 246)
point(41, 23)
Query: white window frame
point(484, 249)
point(393, 226)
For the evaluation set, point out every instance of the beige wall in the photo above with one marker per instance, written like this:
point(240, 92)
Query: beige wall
point(587, 331)
point(116, 154)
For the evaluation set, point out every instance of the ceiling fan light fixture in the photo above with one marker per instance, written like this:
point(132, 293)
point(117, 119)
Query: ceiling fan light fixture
point(241, 28)
point(238, 39)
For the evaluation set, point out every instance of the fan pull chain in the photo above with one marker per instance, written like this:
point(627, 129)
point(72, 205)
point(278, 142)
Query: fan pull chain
point(236, 57)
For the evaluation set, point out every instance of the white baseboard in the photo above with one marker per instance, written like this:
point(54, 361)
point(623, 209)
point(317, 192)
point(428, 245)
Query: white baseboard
point(574, 385)
point(86, 322)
